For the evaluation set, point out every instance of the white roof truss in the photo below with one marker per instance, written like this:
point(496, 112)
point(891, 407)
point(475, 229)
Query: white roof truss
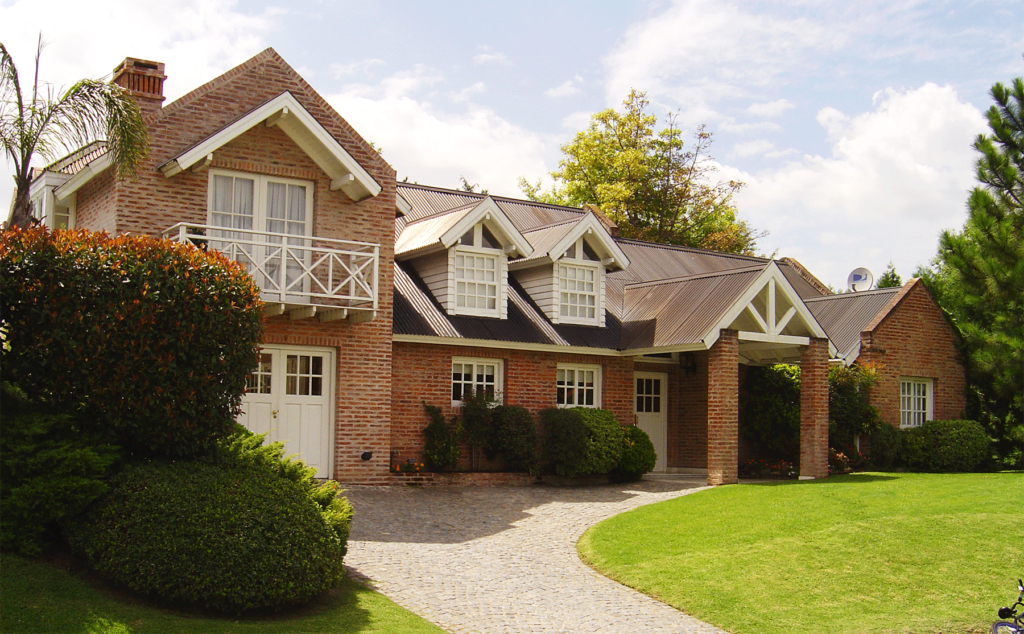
point(770, 318)
point(285, 112)
point(488, 212)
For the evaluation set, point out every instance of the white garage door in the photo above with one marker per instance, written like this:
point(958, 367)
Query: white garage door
point(290, 395)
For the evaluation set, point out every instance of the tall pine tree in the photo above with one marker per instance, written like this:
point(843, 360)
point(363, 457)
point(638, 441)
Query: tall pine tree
point(979, 272)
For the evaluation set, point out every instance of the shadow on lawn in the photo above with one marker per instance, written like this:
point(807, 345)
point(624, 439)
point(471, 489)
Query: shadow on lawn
point(850, 478)
point(452, 515)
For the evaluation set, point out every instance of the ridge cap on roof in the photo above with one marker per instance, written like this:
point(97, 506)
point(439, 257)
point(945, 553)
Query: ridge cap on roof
point(874, 291)
point(676, 247)
point(551, 225)
point(687, 278)
point(521, 201)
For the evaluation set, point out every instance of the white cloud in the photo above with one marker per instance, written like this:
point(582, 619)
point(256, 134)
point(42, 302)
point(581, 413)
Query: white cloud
point(564, 90)
point(355, 68)
point(467, 92)
point(729, 125)
point(896, 177)
point(760, 146)
point(401, 84)
point(699, 52)
point(770, 109)
point(491, 58)
point(435, 147)
point(576, 121)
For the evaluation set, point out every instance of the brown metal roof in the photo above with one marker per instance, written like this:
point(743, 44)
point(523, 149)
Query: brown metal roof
point(426, 231)
point(845, 315)
point(542, 239)
point(681, 311)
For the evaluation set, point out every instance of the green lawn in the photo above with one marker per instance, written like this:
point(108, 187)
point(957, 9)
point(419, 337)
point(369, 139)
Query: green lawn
point(38, 597)
point(864, 553)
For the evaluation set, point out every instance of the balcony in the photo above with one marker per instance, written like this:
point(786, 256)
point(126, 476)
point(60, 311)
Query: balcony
point(303, 277)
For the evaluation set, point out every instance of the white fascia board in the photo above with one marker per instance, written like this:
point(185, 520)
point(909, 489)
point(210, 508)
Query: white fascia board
point(303, 129)
point(771, 271)
point(46, 179)
point(83, 176)
point(601, 236)
point(508, 345)
point(402, 206)
point(487, 206)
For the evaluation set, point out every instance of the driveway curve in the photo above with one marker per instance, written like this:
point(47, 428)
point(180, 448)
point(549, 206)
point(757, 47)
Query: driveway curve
point(503, 559)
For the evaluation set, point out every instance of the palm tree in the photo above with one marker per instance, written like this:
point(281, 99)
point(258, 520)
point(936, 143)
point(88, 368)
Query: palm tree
point(50, 125)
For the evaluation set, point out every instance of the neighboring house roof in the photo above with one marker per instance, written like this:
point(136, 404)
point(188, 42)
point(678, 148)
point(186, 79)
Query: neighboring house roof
point(845, 315)
point(74, 162)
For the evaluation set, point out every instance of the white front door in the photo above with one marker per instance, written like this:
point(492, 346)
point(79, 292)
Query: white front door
point(652, 412)
point(290, 397)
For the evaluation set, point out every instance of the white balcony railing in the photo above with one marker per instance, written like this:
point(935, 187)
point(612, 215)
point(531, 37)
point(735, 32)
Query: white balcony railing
point(296, 270)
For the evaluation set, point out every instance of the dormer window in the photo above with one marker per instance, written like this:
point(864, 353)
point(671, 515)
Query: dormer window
point(479, 269)
point(579, 274)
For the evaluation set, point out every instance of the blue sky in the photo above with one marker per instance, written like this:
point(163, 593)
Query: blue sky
point(851, 123)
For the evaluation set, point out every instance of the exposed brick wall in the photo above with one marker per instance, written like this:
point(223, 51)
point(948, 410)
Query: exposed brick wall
point(687, 396)
point(913, 339)
point(95, 205)
point(423, 373)
point(723, 409)
point(814, 409)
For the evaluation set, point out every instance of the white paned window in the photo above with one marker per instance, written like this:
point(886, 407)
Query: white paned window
point(476, 282)
point(578, 386)
point(304, 375)
point(470, 376)
point(577, 292)
point(259, 381)
point(915, 401)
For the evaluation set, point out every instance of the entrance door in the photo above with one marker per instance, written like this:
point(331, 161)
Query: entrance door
point(289, 397)
point(652, 412)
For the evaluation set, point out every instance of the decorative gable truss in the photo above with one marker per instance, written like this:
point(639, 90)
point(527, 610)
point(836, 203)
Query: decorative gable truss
point(565, 275)
point(462, 256)
point(773, 323)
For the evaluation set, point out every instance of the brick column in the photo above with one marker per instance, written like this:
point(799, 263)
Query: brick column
point(814, 410)
point(723, 409)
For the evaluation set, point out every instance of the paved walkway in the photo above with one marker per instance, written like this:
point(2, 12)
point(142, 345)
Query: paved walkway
point(503, 559)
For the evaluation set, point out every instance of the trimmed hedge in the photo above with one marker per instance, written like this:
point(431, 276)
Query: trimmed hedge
point(945, 446)
point(49, 471)
point(886, 445)
point(147, 340)
point(513, 437)
point(638, 456)
point(581, 441)
point(229, 538)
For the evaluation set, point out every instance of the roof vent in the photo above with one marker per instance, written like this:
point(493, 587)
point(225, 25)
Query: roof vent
point(144, 80)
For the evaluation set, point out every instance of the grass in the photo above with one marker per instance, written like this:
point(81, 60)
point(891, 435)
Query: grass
point(39, 597)
point(864, 553)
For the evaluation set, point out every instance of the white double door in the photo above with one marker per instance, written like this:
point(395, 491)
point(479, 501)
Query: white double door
point(651, 411)
point(290, 397)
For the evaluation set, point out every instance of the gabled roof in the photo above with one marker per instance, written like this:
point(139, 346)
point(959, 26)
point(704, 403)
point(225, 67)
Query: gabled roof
point(845, 315)
point(285, 112)
point(550, 242)
point(434, 233)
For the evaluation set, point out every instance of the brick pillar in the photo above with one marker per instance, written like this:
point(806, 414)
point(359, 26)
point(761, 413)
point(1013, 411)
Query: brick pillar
point(814, 410)
point(723, 409)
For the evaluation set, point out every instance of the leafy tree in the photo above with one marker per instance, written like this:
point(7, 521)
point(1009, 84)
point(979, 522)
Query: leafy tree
point(647, 183)
point(49, 124)
point(889, 278)
point(978, 274)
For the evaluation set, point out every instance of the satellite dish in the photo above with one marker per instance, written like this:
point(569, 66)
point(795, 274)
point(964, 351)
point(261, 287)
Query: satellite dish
point(860, 279)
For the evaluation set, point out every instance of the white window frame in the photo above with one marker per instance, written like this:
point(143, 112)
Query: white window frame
point(578, 262)
point(499, 282)
point(260, 189)
point(562, 387)
point(917, 400)
point(499, 375)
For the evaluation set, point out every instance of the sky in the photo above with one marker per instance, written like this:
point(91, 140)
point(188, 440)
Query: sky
point(850, 123)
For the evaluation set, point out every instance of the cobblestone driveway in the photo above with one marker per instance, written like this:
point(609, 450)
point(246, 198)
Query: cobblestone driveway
point(503, 559)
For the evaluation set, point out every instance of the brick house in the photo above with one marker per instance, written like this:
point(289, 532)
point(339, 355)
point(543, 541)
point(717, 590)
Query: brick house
point(380, 295)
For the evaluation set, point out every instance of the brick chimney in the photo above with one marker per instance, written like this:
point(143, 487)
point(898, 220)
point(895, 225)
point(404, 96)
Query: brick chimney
point(144, 80)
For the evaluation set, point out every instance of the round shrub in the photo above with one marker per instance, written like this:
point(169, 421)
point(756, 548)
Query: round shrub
point(945, 446)
point(441, 449)
point(638, 456)
point(225, 538)
point(147, 340)
point(513, 437)
point(886, 442)
point(581, 441)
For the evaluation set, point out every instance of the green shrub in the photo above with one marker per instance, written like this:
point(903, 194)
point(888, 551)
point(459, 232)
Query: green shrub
point(49, 471)
point(638, 456)
point(769, 412)
point(218, 536)
point(945, 446)
point(513, 437)
point(850, 412)
point(581, 441)
point(148, 340)
point(476, 416)
point(886, 443)
point(441, 450)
